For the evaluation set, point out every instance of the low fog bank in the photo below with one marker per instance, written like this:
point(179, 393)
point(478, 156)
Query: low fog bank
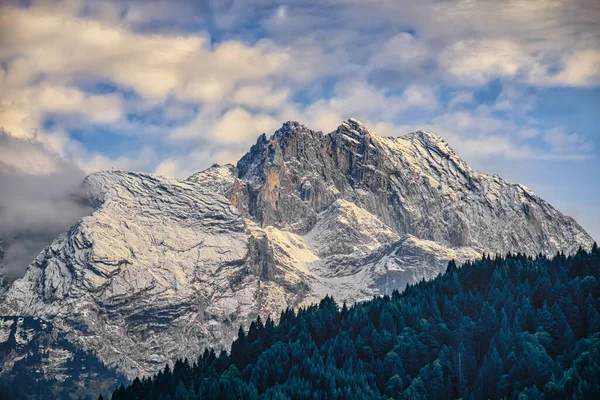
point(40, 197)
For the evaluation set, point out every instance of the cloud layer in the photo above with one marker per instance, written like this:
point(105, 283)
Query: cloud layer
point(39, 199)
point(217, 75)
point(172, 87)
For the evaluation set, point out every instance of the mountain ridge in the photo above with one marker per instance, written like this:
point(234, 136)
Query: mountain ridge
point(364, 162)
point(165, 267)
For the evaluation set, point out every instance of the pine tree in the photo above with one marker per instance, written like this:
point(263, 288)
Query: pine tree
point(490, 329)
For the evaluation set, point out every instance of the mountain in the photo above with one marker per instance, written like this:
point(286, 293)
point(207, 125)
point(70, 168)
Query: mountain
point(164, 268)
point(415, 184)
point(37, 361)
point(504, 328)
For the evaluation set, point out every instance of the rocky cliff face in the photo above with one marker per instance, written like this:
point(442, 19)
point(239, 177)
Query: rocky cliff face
point(165, 267)
point(415, 184)
point(33, 348)
point(161, 268)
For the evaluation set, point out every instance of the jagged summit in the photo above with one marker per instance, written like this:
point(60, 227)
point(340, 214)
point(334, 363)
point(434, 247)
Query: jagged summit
point(291, 131)
point(349, 130)
point(164, 267)
point(430, 140)
point(425, 135)
point(292, 126)
point(414, 183)
point(353, 127)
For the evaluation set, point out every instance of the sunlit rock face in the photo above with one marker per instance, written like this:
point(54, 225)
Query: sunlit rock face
point(414, 184)
point(165, 267)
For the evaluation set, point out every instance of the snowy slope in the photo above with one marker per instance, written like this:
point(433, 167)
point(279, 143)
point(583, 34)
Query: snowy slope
point(158, 270)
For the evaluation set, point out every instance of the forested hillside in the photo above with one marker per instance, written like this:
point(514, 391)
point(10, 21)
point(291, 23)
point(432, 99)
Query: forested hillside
point(503, 327)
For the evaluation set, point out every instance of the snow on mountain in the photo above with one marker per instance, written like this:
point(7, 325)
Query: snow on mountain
point(33, 347)
point(345, 228)
point(414, 184)
point(160, 269)
point(164, 267)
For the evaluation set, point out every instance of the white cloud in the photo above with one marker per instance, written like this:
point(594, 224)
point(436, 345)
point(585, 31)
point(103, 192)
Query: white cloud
point(402, 51)
point(235, 126)
point(142, 160)
point(475, 62)
point(238, 125)
point(357, 98)
point(514, 100)
point(461, 98)
point(562, 142)
point(23, 112)
point(579, 69)
point(168, 167)
point(17, 120)
point(154, 65)
point(28, 157)
point(420, 96)
point(261, 96)
point(226, 92)
point(479, 134)
point(60, 99)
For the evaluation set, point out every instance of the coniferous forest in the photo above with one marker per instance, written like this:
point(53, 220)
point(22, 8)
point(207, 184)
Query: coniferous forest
point(512, 327)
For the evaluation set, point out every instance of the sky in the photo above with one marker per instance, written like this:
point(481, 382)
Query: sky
point(172, 87)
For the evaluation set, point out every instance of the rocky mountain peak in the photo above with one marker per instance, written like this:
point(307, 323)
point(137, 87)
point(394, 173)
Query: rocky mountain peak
point(165, 267)
point(216, 174)
point(354, 128)
point(291, 127)
point(431, 141)
point(415, 184)
point(293, 132)
point(292, 141)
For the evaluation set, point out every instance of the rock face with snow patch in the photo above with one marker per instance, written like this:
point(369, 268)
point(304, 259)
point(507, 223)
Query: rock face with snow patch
point(162, 268)
point(32, 347)
point(414, 184)
point(165, 267)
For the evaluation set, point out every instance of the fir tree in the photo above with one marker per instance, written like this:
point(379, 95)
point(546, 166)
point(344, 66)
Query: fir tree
point(503, 327)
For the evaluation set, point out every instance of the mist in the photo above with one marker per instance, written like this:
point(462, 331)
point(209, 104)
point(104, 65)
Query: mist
point(39, 198)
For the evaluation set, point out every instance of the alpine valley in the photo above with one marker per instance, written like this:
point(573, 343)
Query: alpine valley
point(164, 268)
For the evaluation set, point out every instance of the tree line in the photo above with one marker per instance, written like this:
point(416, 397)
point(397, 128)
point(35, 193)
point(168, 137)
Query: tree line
point(501, 327)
